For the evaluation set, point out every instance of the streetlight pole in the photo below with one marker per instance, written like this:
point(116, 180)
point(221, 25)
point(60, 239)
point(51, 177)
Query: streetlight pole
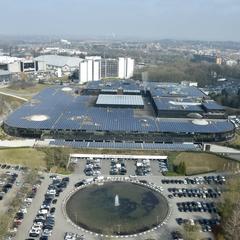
point(119, 226)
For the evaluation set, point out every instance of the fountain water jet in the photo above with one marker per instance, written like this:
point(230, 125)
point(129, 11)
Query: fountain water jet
point(116, 203)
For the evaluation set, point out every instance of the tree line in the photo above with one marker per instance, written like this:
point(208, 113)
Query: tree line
point(202, 73)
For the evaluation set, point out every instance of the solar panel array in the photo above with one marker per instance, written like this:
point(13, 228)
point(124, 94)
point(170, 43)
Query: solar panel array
point(174, 90)
point(212, 105)
point(67, 111)
point(124, 145)
point(170, 103)
point(125, 85)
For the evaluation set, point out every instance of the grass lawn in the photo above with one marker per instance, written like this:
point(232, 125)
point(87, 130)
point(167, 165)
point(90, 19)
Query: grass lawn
point(197, 163)
point(235, 143)
point(29, 157)
point(28, 92)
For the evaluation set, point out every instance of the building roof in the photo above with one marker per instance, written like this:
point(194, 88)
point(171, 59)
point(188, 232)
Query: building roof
point(4, 72)
point(60, 61)
point(212, 105)
point(120, 100)
point(177, 104)
point(8, 59)
point(129, 85)
point(54, 108)
point(174, 90)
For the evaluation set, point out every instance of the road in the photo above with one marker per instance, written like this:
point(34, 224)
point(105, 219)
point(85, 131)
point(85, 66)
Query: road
point(14, 96)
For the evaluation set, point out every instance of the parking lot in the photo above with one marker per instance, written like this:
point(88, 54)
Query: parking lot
point(10, 182)
point(191, 200)
point(106, 167)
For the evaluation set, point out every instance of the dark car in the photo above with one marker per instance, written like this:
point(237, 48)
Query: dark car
point(78, 184)
point(143, 181)
point(177, 235)
point(52, 210)
point(43, 238)
point(65, 179)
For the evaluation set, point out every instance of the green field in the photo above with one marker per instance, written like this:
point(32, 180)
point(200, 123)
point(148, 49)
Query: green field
point(29, 157)
point(235, 143)
point(197, 163)
point(27, 92)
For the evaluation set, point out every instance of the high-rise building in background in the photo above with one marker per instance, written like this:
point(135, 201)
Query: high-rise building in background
point(109, 68)
point(125, 68)
point(95, 68)
point(90, 69)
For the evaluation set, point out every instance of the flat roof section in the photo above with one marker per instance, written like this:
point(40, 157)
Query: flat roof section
point(120, 100)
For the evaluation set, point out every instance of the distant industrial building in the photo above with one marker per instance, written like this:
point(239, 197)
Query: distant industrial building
point(17, 65)
point(207, 58)
point(60, 65)
point(5, 76)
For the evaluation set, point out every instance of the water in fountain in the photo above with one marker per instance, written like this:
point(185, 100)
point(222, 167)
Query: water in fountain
point(116, 204)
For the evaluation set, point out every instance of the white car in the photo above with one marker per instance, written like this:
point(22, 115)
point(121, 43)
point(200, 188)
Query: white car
point(37, 226)
point(133, 176)
point(45, 207)
point(28, 200)
point(34, 232)
point(47, 232)
point(23, 210)
point(51, 191)
point(43, 211)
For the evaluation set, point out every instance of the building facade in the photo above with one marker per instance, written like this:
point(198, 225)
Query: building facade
point(109, 68)
point(18, 65)
point(90, 69)
point(125, 68)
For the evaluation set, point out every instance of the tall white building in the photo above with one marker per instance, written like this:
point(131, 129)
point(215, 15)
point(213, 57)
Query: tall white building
point(125, 68)
point(90, 69)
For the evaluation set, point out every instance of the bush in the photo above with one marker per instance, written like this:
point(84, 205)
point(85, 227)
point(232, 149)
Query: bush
point(56, 157)
point(181, 168)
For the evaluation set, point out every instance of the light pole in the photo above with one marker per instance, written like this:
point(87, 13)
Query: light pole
point(119, 226)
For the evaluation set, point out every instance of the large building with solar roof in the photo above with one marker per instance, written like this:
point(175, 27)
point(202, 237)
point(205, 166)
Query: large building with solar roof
point(122, 111)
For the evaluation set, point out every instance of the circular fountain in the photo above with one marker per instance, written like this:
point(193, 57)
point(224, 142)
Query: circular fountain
point(117, 208)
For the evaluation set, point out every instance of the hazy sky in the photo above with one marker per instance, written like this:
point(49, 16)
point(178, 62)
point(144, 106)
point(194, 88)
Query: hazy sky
point(155, 19)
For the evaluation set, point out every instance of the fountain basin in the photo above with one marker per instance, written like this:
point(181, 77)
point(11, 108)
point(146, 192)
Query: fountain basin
point(94, 208)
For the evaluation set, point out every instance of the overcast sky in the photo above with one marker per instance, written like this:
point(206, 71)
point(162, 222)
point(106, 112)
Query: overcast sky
point(153, 19)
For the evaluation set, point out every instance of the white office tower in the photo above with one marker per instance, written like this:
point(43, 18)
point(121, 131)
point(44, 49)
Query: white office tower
point(125, 68)
point(90, 69)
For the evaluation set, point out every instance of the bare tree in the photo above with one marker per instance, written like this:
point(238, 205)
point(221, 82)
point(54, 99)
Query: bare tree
point(232, 225)
point(191, 232)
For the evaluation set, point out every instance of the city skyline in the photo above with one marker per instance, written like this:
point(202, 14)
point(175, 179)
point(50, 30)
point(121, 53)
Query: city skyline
point(153, 19)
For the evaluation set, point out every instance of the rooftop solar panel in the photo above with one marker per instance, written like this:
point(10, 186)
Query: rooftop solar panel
point(124, 145)
point(65, 110)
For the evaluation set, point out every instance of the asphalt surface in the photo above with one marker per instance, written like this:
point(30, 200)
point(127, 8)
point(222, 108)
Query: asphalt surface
point(4, 203)
point(62, 224)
